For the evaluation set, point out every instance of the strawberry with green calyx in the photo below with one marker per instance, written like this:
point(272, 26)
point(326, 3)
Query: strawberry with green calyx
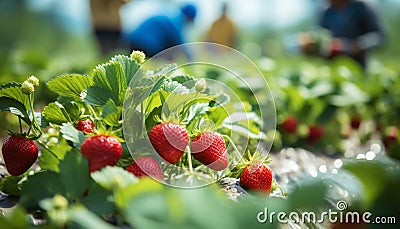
point(19, 150)
point(146, 166)
point(19, 154)
point(209, 148)
point(86, 126)
point(169, 139)
point(257, 176)
point(101, 150)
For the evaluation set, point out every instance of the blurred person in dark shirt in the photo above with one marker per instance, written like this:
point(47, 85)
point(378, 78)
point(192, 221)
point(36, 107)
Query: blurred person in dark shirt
point(160, 32)
point(355, 28)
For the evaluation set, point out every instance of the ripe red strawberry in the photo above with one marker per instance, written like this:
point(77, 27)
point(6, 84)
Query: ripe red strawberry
point(19, 154)
point(355, 122)
point(209, 148)
point(289, 125)
point(391, 137)
point(257, 176)
point(86, 126)
point(146, 166)
point(315, 133)
point(101, 150)
point(169, 140)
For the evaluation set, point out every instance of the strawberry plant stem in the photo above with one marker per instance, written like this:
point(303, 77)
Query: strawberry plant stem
point(234, 147)
point(20, 125)
point(48, 149)
point(189, 154)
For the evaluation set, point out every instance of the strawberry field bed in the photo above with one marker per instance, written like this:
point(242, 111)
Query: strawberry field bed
point(124, 146)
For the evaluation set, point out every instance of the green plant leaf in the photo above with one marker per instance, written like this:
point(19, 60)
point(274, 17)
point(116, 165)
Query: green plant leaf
point(110, 76)
point(73, 174)
point(56, 113)
point(145, 185)
point(98, 199)
point(376, 176)
point(71, 85)
point(112, 114)
point(40, 186)
point(218, 114)
point(15, 107)
point(13, 90)
point(15, 220)
point(9, 185)
point(129, 66)
point(221, 100)
point(183, 79)
point(47, 161)
point(86, 219)
point(113, 178)
point(70, 133)
point(97, 96)
point(174, 87)
point(196, 110)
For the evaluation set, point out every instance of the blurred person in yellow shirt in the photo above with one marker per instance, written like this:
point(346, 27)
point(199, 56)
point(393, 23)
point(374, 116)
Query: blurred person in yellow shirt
point(223, 30)
point(106, 23)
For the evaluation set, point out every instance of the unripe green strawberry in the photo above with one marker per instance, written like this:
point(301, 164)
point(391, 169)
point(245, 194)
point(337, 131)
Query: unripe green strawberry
point(86, 126)
point(19, 154)
point(146, 166)
point(209, 148)
point(257, 176)
point(101, 150)
point(169, 140)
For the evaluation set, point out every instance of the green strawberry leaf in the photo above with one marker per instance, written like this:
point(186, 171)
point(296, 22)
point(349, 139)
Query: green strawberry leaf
point(112, 114)
point(174, 87)
point(13, 90)
point(41, 120)
point(183, 79)
point(221, 100)
point(31, 194)
point(10, 185)
point(15, 107)
point(70, 133)
point(218, 114)
point(113, 178)
point(71, 85)
point(176, 102)
point(111, 76)
point(247, 124)
point(73, 174)
point(56, 113)
point(196, 110)
point(15, 219)
point(151, 118)
point(47, 161)
point(97, 199)
point(129, 66)
point(97, 96)
point(85, 219)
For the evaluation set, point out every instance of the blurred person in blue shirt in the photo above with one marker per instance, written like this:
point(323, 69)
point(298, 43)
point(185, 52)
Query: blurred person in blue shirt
point(355, 28)
point(160, 32)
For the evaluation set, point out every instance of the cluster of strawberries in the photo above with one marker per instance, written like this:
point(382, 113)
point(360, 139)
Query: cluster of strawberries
point(169, 140)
